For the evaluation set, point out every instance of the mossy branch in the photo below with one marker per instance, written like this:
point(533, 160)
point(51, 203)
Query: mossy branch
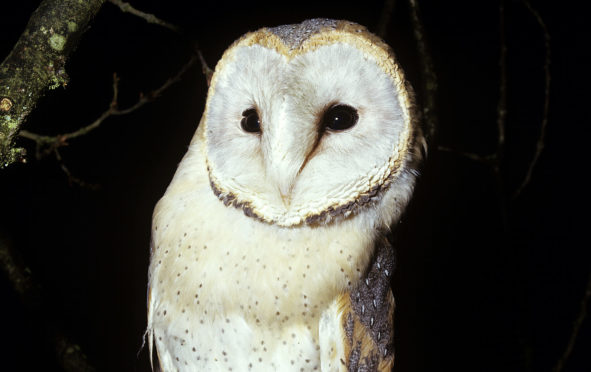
point(37, 63)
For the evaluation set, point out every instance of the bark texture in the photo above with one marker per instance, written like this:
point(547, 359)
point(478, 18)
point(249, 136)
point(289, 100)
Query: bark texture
point(37, 63)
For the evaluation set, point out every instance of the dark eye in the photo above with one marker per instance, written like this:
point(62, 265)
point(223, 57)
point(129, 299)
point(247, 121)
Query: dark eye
point(340, 117)
point(250, 121)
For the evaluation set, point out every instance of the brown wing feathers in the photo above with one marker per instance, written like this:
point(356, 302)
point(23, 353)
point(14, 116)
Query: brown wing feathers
point(368, 316)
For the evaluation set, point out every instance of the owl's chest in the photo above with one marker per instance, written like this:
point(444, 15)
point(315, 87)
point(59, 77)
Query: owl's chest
point(212, 321)
point(242, 292)
point(232, 343)
point(270, 279)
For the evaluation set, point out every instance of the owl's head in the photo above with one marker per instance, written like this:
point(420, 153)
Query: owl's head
point(309, 123)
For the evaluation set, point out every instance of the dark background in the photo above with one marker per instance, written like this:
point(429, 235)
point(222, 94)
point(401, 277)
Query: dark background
point(485, 282)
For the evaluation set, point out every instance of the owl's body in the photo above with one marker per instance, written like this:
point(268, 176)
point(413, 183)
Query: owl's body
point(268, 249)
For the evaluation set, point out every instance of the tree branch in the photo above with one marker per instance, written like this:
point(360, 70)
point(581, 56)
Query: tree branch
point(71, 178)
point(48, 144)
point(385, 17)
point(428, 72)
point(486, 159)
point(576, 327)
point(502, 104)
point(495, 159)
point(542, 137)
point(150, 18)
point(36, 63)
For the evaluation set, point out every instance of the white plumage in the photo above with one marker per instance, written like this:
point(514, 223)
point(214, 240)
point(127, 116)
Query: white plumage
point(263, 236)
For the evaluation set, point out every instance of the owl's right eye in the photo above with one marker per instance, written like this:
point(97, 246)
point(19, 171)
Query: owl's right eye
point(250, 121)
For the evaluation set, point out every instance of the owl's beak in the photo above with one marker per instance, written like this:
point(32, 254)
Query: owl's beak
point(286, 191)
point(284, 172)
point(286, 154)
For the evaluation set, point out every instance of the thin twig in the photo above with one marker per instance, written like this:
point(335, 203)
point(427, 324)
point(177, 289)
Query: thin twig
point(428, 71)
point(71, 178)
point(502, 104)
point(494, 159)
point(46, 145)
point(576, 328)
point(150, 18)
point(547, 76)
point(485, 159)
point(53, 142)
point(497, 159)
point(385, 17)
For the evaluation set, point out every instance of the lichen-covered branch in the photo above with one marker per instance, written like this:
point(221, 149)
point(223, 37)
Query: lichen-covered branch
point(36, 63)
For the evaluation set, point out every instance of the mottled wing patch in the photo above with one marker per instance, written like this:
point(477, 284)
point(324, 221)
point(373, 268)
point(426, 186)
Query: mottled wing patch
point(368, 316)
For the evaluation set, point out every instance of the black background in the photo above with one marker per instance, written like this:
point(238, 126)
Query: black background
point(476, 291)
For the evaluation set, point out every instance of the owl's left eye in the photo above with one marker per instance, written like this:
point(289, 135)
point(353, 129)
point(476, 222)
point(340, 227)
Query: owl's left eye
point(340, 117)
point(250, 121)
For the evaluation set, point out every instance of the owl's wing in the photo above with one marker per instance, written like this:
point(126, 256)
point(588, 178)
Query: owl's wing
point(357, 331)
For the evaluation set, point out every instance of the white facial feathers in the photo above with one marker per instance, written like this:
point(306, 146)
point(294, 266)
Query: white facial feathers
point(294, 168)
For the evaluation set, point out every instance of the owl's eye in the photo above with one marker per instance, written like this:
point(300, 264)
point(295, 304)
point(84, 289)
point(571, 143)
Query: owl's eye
point(340, 117)
point(250, 121)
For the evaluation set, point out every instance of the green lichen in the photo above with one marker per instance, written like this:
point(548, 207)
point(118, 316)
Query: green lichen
point(72, 26)
point(54, 83)
point(57, 42)
point(13, 155)
point(11, 124)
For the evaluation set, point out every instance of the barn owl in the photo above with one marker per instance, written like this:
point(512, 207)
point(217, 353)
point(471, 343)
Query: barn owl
point(269, 247)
